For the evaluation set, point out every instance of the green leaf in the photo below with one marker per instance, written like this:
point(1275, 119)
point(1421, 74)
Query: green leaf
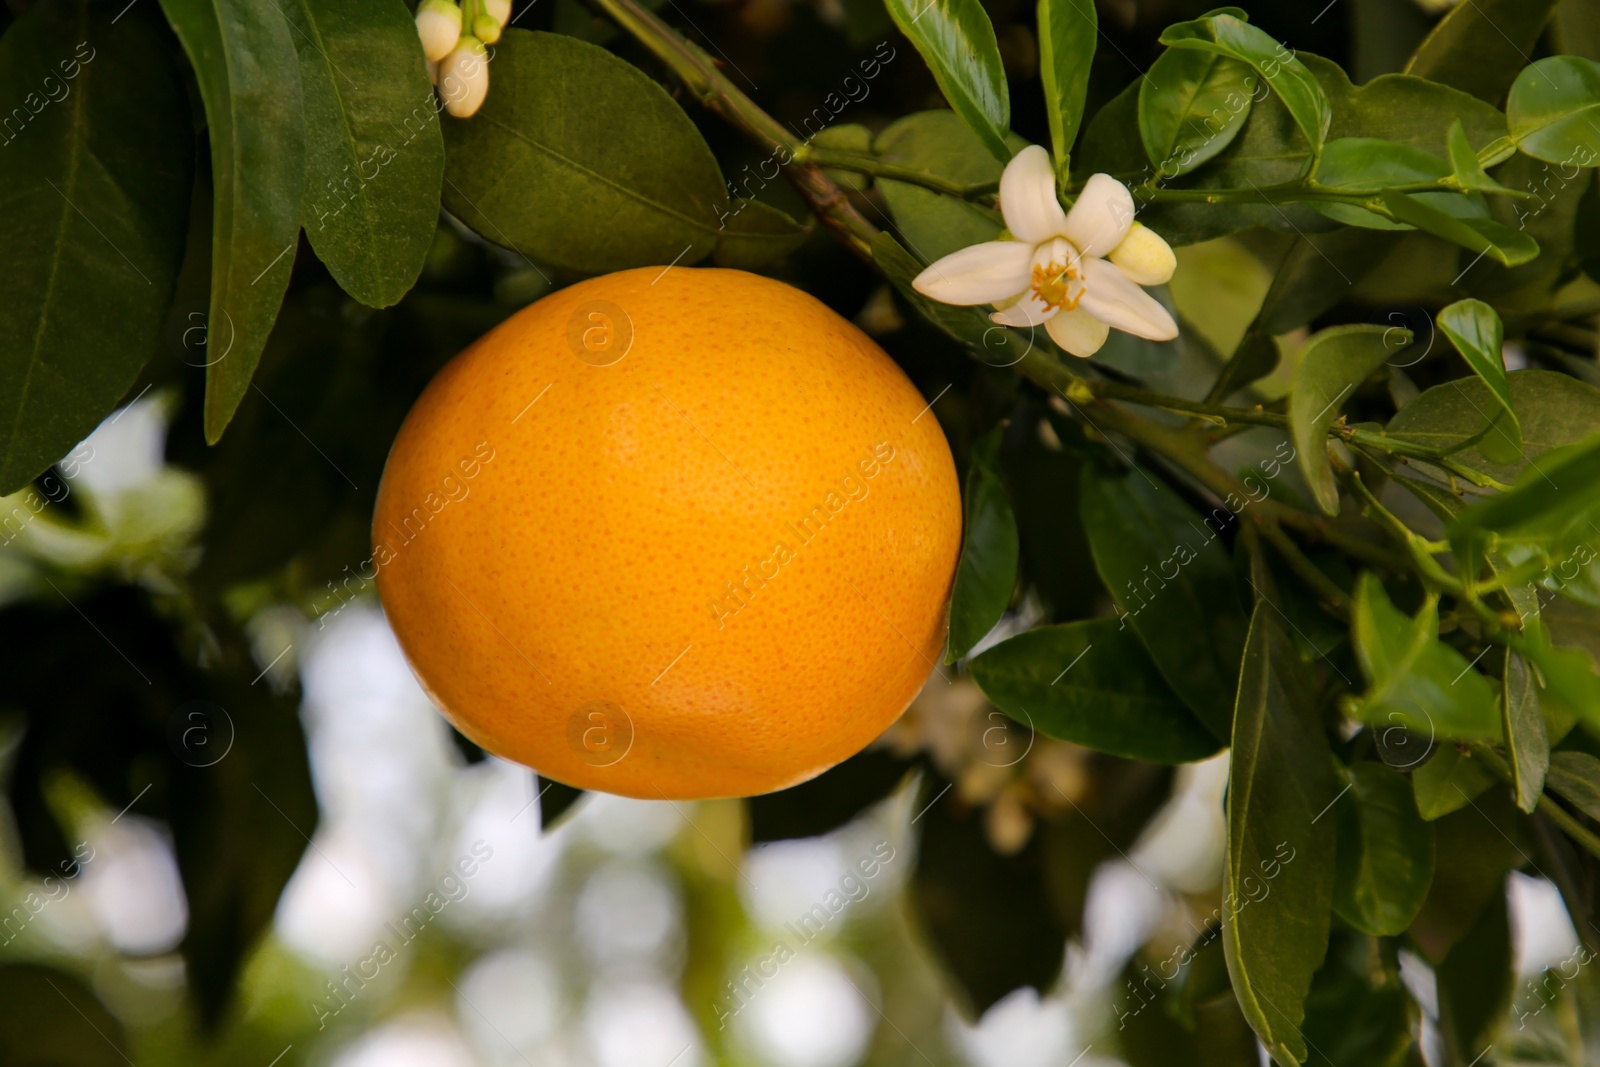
point(1415, 681)
point(1480, 46)
point(1554, 111)
point(1568, 689)
point(1526, 741)
point(580, 160)
point(1358, 1010)
point(1371, 165)
point(1467, 168)
point(1484, 236)
point(932, 224)
point(1475, 329)
point(1092, 683)
point(556, 801)
point(1475, 981)
point(1575, 777)
point(956, 40)
point(1385, 855)
point(1333, 363)
point(244, 58)
point(1280, 782)
point(1067, 34)
point(1449, 781)
point(756, 235)
point(1296, 86)
point(987, 573)
point(96, 180)
point(1172, 582)
point(1549, 499)
point(1192, 104)
point(374, 156)
point(1553, 409)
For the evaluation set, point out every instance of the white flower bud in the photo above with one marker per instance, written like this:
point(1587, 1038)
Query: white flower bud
point(439, 26)
point(464, 77)
point(486, 29)
point(1145, 257)
point(499, 10)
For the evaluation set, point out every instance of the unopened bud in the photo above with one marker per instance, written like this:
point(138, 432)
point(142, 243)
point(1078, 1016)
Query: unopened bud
point(486, 29)
point(464, 77)
point(499, 10)
point(439, 26)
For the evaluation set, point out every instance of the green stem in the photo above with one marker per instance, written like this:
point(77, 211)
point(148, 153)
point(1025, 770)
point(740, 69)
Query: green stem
point(1414, 544)
point(1569, 825)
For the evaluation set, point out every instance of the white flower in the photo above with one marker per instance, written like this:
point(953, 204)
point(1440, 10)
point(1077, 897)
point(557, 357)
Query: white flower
point(1077, 273)
point(464, 77)
point(439, 26)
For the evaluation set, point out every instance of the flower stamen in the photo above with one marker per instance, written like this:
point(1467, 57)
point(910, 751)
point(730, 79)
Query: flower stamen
point(1058, 286)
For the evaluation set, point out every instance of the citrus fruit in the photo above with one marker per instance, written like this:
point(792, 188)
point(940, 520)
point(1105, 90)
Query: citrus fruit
point(681, 533)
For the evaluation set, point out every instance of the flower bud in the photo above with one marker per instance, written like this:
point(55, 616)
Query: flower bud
point(499, 10)
point(486, 29)
point(1144, 256)
point(439, 26)
point(464, 77)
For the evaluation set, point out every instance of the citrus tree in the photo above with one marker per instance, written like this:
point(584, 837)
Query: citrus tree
point(1316, 494)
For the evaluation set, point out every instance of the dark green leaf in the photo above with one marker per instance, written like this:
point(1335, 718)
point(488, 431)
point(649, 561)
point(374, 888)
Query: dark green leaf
point(1484, 236)
point(1280, 782)
point(1092, 683)
point(987, 573)
point(1475, 329)
point(1296, 86)
point(1480, 46)
point(1067, 34)
point(1416, 681)
point(579, 159)
point(1449, 781)
point(755, 235)
point(828, 801)
point(556, 799)
point(956, 40)
point(51, 1019)
point(989, 917)
point(1331, 366)
point(1474, 849)
point(1475, 982)
point(244, 57)
point(97, 185)
point(1526, 741)
point(932, 224)
point(1172, 582)
point(1358, 1012)
point(1385, 852)
point(374, 156)
point(1576, 29)
point(1554, 111)
point(1192, 104)
point(1553, 410)
point(1370, 165)
point(1575, 777)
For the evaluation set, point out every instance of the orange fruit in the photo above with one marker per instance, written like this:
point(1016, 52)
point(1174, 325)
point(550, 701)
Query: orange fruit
point(681, 533)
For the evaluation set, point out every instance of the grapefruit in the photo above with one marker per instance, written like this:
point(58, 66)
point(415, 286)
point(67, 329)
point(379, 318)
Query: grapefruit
point(670, 534)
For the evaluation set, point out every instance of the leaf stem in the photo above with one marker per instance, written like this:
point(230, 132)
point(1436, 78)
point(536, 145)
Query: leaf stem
point(1331, 597)
point(1569, 825)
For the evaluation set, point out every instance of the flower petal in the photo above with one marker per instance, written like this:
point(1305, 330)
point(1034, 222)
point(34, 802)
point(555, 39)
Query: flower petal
point(1028, 196)
point(978, 274)
point(1078, 332)
point(1145, 257)
point(1102, 216)
point(1029, 311)
point(1113, 299)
